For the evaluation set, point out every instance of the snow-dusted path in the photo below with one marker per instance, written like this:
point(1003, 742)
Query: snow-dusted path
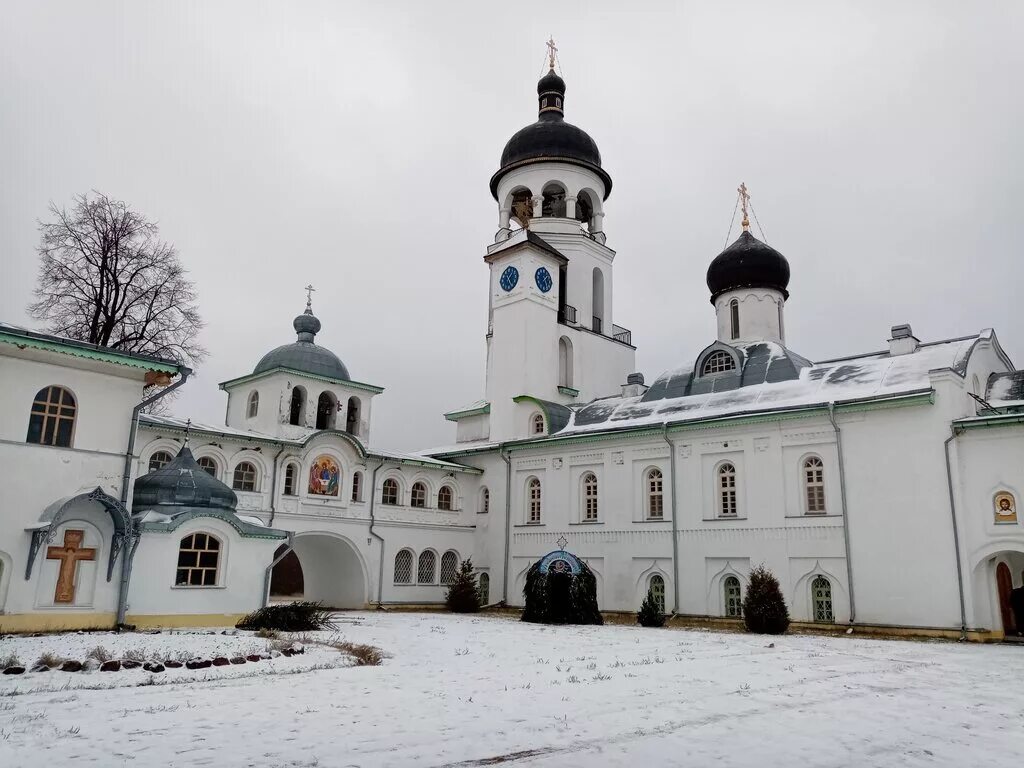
point(470, 690)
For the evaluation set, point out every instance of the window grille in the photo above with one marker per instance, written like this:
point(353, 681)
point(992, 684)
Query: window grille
point(289, 480)
point(814, 485)
point(533, 501)
point(449, 565)
point(254, 404)
point(655, 495)
point(244, 477)
point(159, 460)
point(657, 589)
point(733, 597)
point(444, 498)
point(389, 493)
point(538, 424)
point(198, 556)
point(357, 486)
point(485, 501)
point(590, 497)
point(484, 589)
point(403, 567)
point(52, 419)
point(821, 593)
point(419, 495)
point(208, 464)
point(427, 566)
point(727, 490)
point(718, 362)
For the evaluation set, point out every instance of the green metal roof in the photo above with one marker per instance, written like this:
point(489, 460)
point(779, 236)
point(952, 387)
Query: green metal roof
point(26, 339)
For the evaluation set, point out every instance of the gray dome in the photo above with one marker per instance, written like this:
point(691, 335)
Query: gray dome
point(182, 483)
point(304, 355)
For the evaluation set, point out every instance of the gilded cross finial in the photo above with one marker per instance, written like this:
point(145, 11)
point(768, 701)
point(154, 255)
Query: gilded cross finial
point(309, 296)
point(744, 199)
point(552, 50)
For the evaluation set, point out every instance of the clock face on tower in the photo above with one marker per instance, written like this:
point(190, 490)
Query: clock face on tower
point(543, 279)
point(509, 278)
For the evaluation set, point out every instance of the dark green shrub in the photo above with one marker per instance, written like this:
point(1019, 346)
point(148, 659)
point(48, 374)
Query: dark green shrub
point(764, 609)
point(289, 617)
point(561, 598)
point(650, 614)
point(463, 594)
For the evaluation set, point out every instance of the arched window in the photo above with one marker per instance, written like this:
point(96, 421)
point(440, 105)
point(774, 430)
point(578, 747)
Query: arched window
point(444, 498)
point(425, 571)
point(533, 501)
point(598, 301)
point(521, 208)
point(389, 493)
point(537, 424)
point(419, 495)
point(814, 485)
point(403, 567)
point(352, 416)
point(244, 478)
point(655, 494)
point(718, 361)
point(159, 460)
point(357, 486)
point(326, 410)
point(254, 404)
point(733, 597)
point(734, 319)
point(52, 419)
point(589, 497)
point(449, 565)
point(553, 200)
point(485, 501)
point(656, 586)
point(209, 465)
point(821, 597)
point(727, 490)
point(198, 558)
point(584, 209)
point(564, 362)
point(291, 474)
point(297, 410)
point(484, 589)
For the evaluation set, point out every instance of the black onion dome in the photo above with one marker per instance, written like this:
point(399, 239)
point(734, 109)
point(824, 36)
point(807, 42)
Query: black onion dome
point(551, 138)
point(304, 355)
point(181, 483)
point(748, 263)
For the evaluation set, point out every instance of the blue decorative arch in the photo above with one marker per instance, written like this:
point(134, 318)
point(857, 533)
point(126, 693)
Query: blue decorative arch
point(560, 561)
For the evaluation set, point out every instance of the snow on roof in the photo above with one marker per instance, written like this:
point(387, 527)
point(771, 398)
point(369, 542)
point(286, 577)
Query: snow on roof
point(1006, 389)
point(467, 447)
point(855, 378)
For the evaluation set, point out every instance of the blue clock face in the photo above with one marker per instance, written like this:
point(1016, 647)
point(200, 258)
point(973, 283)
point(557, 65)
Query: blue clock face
point(509, 278)
point(543, 278)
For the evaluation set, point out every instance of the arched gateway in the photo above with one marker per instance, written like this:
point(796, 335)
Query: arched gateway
point(322, 567)
point(561, 589)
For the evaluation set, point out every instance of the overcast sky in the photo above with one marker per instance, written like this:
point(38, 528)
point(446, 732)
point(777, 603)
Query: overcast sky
point(350, 145)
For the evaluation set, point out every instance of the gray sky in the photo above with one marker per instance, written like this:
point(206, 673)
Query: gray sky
point(350, 145)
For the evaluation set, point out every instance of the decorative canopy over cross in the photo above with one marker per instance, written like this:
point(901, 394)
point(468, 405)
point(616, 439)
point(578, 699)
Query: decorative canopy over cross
point(309, 296)
point(69, 555)
point(552, 50)
point(562, 541)
point(744, 199)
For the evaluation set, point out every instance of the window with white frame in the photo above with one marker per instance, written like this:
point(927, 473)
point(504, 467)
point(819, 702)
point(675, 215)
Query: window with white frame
point(656, 586)
point(732, 596)
point(537, 424)
point(655, 494)
point(419, 495)
point(389, 492)
point(718, 361)
point(357, 486)
point(727, 490)
point(589, 497)
point(426, 571)
point(485, 501)
point(209, 465)
point(403, 567)
point(254, 404)
point(198, 558)
point(533, 501)
point(445, 498)
point(449, 565)
point(734, 319)
point(814, 485)
point(821, 597)
point(159, 460)
point(291, 472)
point(483, 586)
point(244, 477)
point(52, 418)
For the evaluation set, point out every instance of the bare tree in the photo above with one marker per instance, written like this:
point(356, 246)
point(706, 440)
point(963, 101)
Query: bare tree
point(105, 277)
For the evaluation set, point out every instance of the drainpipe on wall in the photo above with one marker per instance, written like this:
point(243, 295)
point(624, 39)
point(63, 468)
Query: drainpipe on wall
point(377, 536)
point(956, 533)
point(131, 542)
point(846, 516)
point(675, 529)
point(270, 568)
point(508, 521)
point(273, 489)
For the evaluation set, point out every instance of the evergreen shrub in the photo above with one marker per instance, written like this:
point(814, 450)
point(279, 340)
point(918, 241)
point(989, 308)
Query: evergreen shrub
point(764, 609)
point(463, 594)
point(650, 614)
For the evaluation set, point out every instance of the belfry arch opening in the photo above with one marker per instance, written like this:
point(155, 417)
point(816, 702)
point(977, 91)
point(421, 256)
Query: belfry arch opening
point(553, 200)
point(598, 301)
point(297, 407)
point(326, 411)
point(520, 208)
point(321, 567)
point(585, 208)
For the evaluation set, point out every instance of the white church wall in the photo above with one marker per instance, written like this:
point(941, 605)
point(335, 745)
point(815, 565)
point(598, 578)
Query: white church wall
point(760, 315)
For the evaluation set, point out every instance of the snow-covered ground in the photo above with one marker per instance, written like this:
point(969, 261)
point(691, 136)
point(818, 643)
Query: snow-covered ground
point(490, 690)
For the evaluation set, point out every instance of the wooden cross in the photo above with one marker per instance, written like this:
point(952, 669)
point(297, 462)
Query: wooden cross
point(69, 555)
point(309, 295)
point(744, 198)
point(552, 50)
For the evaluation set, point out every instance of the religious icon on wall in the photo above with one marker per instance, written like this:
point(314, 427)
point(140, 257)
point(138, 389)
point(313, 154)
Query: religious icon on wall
point(324, 477)
point(1005, 508)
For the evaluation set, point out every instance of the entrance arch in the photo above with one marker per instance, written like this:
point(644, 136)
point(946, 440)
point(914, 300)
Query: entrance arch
point(322, 567)
point(1004, 585)
point(998, 571)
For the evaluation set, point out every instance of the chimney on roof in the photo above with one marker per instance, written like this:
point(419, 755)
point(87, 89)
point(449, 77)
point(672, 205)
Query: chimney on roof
point(634, 386)
point(903, 341)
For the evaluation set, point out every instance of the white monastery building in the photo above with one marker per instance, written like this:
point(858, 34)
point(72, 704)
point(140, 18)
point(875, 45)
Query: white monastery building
point(882, 489)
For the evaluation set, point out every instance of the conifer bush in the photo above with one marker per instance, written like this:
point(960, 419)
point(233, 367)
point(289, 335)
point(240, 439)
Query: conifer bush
point(463, 594)
point(764, 609)
point(650, 614)
point(289, 617)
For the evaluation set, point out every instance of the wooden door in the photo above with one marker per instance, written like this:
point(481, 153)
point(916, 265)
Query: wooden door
point(1004, 583)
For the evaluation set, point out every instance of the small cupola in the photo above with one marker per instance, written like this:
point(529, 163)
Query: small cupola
point(902, 341)
point(634, 386)
point(551, 96)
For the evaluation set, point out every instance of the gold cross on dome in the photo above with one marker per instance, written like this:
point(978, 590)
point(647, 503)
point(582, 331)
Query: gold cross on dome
point(552, 50)
point(309, 295)
point(744, 199)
